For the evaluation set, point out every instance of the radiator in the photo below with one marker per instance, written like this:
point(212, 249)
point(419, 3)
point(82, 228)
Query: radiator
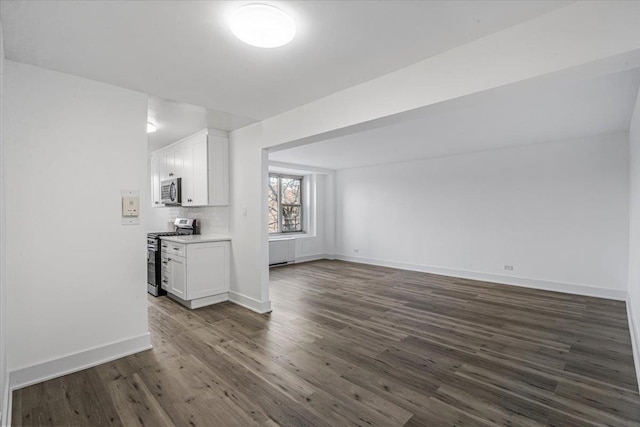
point(282, 251)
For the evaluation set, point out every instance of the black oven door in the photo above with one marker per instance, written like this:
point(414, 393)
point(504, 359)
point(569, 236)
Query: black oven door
point(151, 267)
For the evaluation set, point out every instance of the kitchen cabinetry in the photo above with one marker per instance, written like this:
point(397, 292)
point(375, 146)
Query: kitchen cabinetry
point(198, 274)
point(156, 199)
point(202, 161)
point(174, 164)
point(177, 276)
point(169, 163)
point(195, 179)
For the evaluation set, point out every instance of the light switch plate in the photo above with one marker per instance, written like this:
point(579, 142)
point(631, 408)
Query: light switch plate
point(130, 207)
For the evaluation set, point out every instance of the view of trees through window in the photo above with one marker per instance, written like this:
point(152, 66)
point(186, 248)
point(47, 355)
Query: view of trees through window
point(285, 203)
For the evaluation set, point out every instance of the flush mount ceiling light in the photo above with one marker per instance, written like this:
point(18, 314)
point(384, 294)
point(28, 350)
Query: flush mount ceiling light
point(262, 25)
point(151, 127)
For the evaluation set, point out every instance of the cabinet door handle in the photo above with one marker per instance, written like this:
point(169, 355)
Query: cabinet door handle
point(164, 281)
point(171, 174)
point(168, 259)
point(156, 203)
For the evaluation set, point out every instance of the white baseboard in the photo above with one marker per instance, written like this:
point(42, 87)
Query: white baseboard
point(633, 331)
point(213, 299)
point(76, 362)
point(313, 257)
point(252, 304)
point(200, 302)
point(567, 288)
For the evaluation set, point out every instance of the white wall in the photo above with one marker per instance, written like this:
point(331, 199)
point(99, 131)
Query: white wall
point(4, 393)
point(248, 219)
point(598, 31)
point(557, 212)
point(316, 243)
point(330, 216)
point(76, 277)
point(633, 303)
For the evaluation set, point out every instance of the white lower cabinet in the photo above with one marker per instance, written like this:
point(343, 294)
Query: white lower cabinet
point(178, 276)
point(197, 273)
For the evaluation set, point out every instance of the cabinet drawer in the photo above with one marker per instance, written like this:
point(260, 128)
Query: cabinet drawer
point(173, 248)
point(164, 281)
point(168, 248)
point(164, 262)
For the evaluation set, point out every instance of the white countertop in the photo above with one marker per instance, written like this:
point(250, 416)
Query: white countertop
point(197, 238)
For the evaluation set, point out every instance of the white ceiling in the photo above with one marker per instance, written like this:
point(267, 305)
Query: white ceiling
point(184, 51)
point(176, 120)
point(534, 111)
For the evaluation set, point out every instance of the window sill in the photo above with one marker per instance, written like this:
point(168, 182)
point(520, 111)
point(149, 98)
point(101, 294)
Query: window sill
point(276, 237)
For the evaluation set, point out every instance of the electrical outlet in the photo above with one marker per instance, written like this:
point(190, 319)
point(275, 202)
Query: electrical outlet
point(508, 267)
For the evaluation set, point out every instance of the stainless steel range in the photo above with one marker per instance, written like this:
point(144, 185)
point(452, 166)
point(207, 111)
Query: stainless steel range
point(184, 226)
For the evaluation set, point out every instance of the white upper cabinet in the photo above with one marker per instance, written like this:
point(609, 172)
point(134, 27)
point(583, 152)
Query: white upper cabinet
point(218, 185)
point(196, 172)
point(187, 176)
point(156, 200)
point(202, 161)
point(200, 168)
point(174, 164)
point(170, 163)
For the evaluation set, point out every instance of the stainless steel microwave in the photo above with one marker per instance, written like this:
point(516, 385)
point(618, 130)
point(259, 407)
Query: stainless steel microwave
point(171, 191)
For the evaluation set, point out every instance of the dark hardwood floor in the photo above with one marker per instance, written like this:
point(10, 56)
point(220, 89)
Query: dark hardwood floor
point(351, 344)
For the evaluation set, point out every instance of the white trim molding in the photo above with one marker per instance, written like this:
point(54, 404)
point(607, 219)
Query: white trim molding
point(299, 168)
point(200, 302)
point(313, 257)
point(633, 331)
point(252, 304)
point(54, 368)
point(567, 288)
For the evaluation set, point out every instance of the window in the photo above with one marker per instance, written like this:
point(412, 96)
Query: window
point(285, 203)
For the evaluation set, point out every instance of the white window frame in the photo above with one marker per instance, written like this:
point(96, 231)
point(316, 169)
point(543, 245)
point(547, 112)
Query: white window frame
point(280, 204)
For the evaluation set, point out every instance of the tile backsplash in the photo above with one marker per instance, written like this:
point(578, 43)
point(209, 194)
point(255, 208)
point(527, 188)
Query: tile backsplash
point(212, 219)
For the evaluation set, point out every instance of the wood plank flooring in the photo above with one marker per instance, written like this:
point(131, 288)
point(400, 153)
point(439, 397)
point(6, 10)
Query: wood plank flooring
point(351, 344)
